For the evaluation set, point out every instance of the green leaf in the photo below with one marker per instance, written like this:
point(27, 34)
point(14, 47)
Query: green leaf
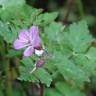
point(7, 3)
point(6, 32)
point(13, 53)
point(43, 76)
point(46, 18)
point(39, 74)
point(86, 61)
point(20, 14)
point(78, 37)
point(55, 32)
point(91, 54)
point(51, 92)
point(70, 71)
point(49, 65)
point(68, 90)
point(25, 70)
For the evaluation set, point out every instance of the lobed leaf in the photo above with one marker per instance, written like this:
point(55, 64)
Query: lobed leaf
point(78, 37)
point(71, 72)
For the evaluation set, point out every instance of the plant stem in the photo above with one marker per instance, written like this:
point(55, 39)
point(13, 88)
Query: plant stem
point(8, 78)
point(80, 8)
point(72, 4)
point(6, 68)
point(41, 89)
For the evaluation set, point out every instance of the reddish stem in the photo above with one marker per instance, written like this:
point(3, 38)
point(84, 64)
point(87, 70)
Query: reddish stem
point(71, 6)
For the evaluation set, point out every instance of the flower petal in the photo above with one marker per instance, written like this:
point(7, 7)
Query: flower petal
point(37, 41)
point(34, 30)
point(28, 51)
point(24, 35)
point(18, 44)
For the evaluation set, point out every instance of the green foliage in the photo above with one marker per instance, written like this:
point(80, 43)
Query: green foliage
point(51, 92)
point(1, 93)
point(25, 70)
point(91, 54)
point(44, 19)
point(71, 56)
point(43, 76)
point(68, 90)
point(78, 37)
point(7, 31)
point(54, 32)
point(21, 15)
point(40, 74)
point(13, 53)
point(70, 71)
point(5, 3)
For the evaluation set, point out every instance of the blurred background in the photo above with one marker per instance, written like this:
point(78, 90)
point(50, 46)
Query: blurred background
point(69, 10)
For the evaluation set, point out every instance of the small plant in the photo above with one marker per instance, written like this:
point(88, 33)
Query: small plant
point(60, 58)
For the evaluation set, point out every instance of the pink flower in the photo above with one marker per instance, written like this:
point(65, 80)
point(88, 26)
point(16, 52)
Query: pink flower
point(28, 40)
